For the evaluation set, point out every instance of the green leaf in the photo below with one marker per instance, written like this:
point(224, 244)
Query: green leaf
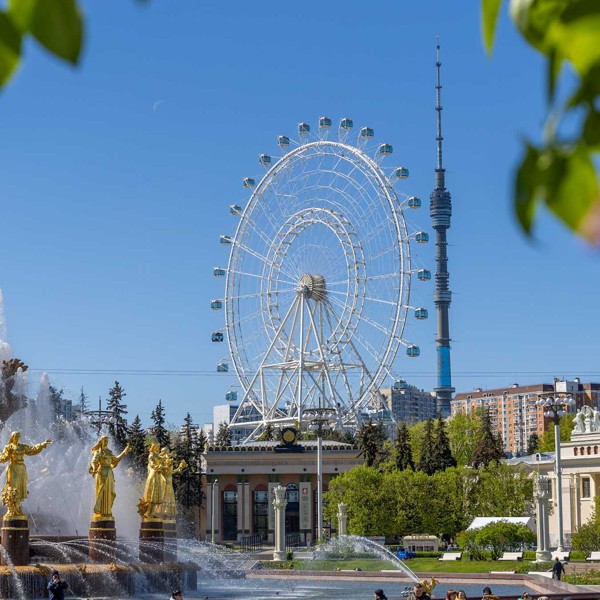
point(576, 34)
point(527, 186)
point(534, 19)
point(10, 47)
point(591, 129)
point(554, 66)
point(489, 19)
point(571, 185)
point(56, 24)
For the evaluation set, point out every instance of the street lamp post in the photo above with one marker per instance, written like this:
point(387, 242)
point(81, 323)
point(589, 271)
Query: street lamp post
point(212, 511)
point(555, 408)
point(319, 418)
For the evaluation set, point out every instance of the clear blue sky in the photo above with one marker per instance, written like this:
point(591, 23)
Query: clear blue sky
point(117, 177)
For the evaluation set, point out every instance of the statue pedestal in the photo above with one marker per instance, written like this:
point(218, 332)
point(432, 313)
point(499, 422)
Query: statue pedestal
point(103, 536)
point(170, 547)
point(152, 541)
point(15, 540)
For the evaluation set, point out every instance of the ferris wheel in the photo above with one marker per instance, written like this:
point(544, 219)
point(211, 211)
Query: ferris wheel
point(318, 280)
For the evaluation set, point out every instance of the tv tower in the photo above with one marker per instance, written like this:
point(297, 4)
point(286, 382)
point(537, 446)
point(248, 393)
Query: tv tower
point(440, 209)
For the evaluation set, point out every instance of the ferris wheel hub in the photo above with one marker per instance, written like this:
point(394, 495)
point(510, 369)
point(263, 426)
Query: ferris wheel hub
point(312, 286)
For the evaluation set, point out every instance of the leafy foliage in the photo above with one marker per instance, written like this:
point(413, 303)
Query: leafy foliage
point(546, 443)
point(499, 537)
point(533, 443)
point(587, 536)
point(396, 503)
point(117, 426)
point(462, 433)
point(561, 171)
point(55, 24)
point(442, 455)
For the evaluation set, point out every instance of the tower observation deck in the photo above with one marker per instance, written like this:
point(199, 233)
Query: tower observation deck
point(440, 209)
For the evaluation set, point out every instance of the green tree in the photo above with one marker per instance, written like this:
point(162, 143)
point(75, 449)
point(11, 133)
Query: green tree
point(269, 433)
point(587, 536)
point(498, 536)
point(370, 437)
point(533, 443)
point(56, 401)
point(417, 431)
point(561, 171)
point(462, 433)
point(488, 446)
point(546, 443)
point(403, 452)
point(11, 400)
point(426, 459)
point(136, 439)
point(158, 430)
point(117, 426)
point(223, 435)
point(441, 454)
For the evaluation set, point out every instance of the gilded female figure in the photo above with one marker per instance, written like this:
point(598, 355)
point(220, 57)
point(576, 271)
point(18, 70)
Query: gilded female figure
point(101, 467)
point(169, 508)
point(154, 491)
point(15, 488)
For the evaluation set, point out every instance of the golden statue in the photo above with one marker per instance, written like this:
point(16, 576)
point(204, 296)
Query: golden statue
point(169, 507)
point(15, 488)
point(154, 491)
point(101, 467)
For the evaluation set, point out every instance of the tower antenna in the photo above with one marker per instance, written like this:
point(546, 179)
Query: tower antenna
point(440, 209)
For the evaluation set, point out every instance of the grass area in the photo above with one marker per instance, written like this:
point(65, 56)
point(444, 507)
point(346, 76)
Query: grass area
point(431, 565)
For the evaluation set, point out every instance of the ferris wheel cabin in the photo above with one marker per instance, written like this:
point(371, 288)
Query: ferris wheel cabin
point(346, 124)
point(413, 351)
point(283, 141)
point(424, 275)
point(421, 314)
point(385, 149)
point(219, 272)
point(401, 172)
point(367, 132)
point(264, 159)
point(414, 202)
point(324, 122)
point(303, 128)
point(216, 304)
point(422, 237)
point(222, 367)
point(225, 240)
point(235, 209)
point(248, 182)
point(400, 384)
point(217, 336)
point(231, 396)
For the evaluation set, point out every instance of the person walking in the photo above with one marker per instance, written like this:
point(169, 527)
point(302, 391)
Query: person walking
point(379, 595)
point(557, 569)
point(57, 587)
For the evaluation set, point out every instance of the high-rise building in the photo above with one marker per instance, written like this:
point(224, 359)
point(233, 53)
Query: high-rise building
point(513, 411)
point(409, 404)
point(440, 209)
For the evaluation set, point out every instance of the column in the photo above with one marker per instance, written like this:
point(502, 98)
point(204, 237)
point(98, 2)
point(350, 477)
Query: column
point(342, 519)
point(240, 508)
point(540, 494)
point(279, 504)
point(247, 520)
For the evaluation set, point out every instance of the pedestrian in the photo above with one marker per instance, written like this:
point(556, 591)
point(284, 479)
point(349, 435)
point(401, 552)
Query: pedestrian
point(557, 569)
point(451, 595)
point(57, 587)
point(419, 593)
point(524, 596)
point(177, 595)
point(462, 595)
point(488, 595)
point(379, 595)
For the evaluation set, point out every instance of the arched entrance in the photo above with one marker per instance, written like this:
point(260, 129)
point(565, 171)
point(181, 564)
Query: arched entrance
point(292, 510)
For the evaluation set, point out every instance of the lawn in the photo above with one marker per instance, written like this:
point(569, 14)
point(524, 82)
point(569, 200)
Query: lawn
point(419, 565)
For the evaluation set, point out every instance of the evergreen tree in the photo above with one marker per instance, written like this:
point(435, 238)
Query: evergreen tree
point(56, 401)
point(442, 454)
point(533, 443)
point(223, 435)
point(117, 426)
point(136, 439)
point(82, 402)
point(426, 459)
point(489, 446)
point(188, 483)
point(159, 431)
point(268, 434)
point(370, 438)
point(404, 459)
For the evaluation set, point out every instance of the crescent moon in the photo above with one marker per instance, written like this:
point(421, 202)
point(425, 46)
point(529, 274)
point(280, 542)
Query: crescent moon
point(157, 104)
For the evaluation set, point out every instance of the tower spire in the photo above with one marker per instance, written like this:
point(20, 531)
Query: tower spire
point(440, 209)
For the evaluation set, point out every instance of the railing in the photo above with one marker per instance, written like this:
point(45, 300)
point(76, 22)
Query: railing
point(251, 543)
point(292, 540)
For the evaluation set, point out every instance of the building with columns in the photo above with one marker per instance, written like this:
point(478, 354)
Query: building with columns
point(580, 462)
point(239, 484)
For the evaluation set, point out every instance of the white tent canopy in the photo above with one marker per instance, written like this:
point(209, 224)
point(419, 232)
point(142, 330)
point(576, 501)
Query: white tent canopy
point(479, 522)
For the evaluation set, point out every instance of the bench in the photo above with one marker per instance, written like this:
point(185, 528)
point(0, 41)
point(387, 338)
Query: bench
point(562, 556)
point(593, 556)
point(451, 556)
point(512, 556)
